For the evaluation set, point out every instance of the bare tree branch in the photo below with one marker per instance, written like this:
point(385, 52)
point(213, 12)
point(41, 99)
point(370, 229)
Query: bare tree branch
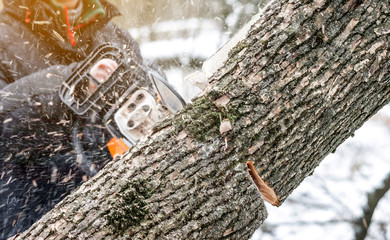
point(373, 198)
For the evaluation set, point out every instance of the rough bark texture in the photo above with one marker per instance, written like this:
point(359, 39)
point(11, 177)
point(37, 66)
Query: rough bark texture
point(307, 76)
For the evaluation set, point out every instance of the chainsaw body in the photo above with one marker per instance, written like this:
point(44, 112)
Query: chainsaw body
point(129, 101)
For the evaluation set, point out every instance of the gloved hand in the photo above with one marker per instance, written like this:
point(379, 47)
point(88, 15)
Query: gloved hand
point(101, 71)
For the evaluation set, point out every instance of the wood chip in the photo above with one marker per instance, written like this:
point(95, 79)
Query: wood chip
point(225, 126)
point(222, 101)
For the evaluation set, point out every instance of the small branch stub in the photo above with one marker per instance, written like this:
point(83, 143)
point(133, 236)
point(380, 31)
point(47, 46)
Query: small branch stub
point(266, 191)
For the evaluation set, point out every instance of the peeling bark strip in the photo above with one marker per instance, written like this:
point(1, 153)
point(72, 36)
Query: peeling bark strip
point(266, 191)
point(308, 74)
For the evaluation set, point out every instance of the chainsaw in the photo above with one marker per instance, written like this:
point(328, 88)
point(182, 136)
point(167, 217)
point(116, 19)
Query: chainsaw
point(129, 101)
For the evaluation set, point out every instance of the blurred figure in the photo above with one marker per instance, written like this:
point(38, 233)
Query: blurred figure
point(45, 150)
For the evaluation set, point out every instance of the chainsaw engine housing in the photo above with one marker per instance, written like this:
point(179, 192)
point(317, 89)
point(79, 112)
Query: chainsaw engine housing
point(130, 100)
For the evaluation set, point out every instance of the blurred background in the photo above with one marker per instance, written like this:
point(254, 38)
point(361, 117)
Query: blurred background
point(349, 185)
point(180, 35)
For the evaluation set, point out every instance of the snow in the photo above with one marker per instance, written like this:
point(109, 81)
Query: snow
point(191, 38)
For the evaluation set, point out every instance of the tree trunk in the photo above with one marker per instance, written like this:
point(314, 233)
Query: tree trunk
point(308, 74)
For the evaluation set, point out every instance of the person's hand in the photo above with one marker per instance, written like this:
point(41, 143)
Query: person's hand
point(101, 71)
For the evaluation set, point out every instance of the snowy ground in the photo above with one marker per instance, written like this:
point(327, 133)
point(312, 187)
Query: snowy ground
point(325, 204)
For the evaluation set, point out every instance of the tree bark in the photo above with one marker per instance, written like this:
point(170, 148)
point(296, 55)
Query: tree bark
point(308, 74)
